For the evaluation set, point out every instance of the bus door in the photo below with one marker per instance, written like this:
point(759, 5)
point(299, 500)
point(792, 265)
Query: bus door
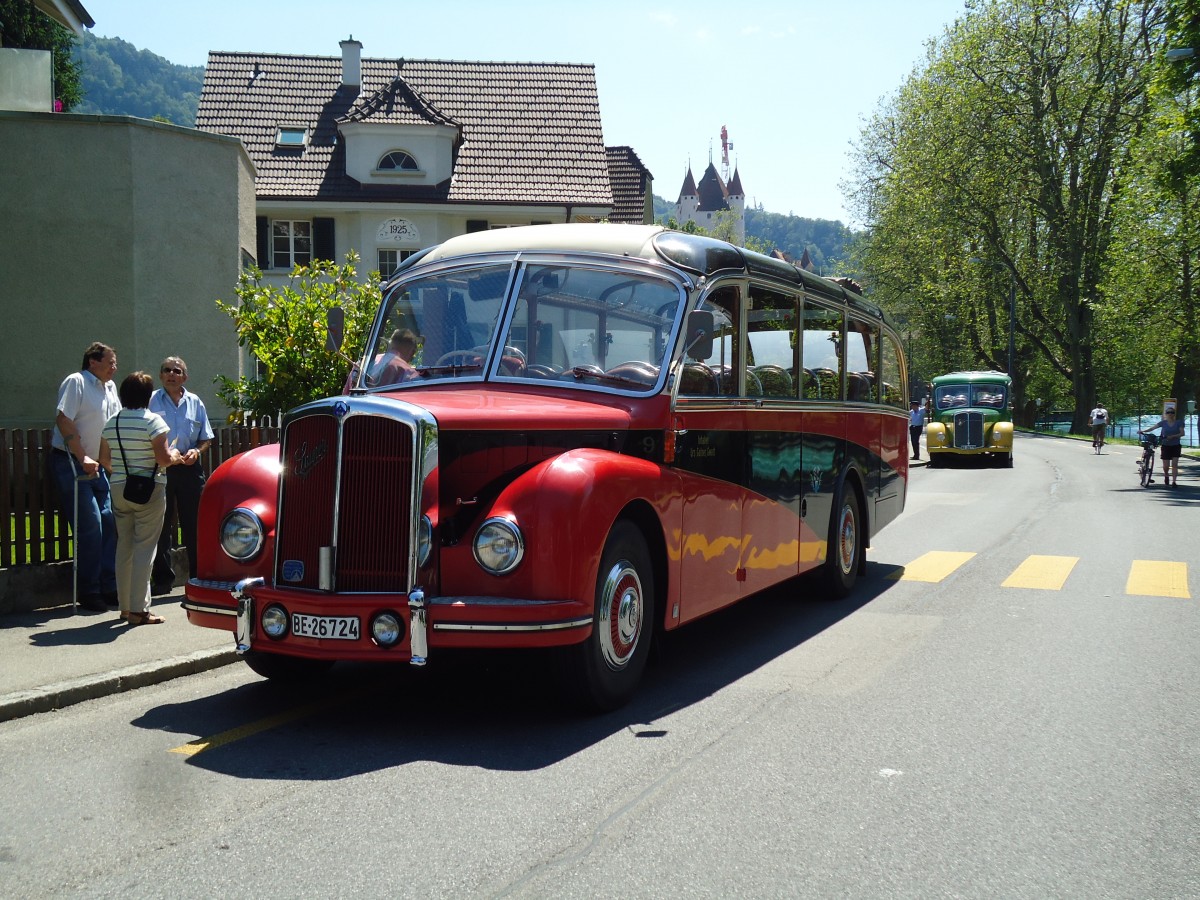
point(823, 426)
point(711, 448)
point(771, 513)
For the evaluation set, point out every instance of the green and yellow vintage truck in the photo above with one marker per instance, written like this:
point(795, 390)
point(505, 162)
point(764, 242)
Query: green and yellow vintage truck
point(971, 416)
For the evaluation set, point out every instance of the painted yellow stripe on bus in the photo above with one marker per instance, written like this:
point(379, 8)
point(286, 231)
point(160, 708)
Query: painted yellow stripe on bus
point(1046, 573)
point(932, 566)
point(1151, 578)
point(191, 748)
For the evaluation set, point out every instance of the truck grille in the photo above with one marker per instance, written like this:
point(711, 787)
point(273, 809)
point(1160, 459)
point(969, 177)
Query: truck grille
point(355, 497)
point(968, 430)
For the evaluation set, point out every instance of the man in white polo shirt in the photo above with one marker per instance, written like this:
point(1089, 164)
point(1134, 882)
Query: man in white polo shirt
point(87, 399)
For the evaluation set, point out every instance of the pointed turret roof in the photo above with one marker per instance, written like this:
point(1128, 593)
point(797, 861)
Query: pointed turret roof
point(735, 185)
point(689, 185)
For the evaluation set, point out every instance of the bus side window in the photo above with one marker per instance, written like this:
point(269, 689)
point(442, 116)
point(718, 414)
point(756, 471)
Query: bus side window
point(821, 332)
point(716, 374)
point(773, 352)
point(895, 391)
point(862, 347)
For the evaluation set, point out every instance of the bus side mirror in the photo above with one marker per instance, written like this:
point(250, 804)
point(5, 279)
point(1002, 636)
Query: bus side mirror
point(699, 334)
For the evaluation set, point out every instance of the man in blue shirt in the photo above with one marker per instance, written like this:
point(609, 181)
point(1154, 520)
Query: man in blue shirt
point(190, 434)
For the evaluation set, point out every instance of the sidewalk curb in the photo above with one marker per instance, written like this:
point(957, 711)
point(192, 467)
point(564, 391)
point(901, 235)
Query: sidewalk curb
point(66, 693)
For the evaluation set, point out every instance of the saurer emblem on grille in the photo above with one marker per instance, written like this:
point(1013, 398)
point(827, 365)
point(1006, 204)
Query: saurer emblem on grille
point(293, 570)
point(306, 460)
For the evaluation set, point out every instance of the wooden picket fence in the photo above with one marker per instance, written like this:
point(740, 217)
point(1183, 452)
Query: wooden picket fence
point(33, 528)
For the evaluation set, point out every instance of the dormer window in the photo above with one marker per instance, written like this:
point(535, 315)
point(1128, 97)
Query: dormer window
point(291, 136)
point(397, 161)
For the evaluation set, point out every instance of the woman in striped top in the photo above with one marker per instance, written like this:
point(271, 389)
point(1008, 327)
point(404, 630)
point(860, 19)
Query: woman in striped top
point(132, 443)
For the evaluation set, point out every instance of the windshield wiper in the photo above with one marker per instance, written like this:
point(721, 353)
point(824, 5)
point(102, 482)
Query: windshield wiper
point(426, 371)
point(585, 372)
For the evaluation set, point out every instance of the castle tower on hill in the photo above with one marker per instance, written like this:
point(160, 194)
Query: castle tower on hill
point(700, 203)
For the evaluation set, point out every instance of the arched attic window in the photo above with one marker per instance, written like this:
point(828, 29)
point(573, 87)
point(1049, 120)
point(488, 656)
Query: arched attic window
point(397, 161)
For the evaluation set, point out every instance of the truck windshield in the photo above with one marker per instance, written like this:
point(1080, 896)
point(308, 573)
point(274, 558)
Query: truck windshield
point(570, 323)
point(960, 396)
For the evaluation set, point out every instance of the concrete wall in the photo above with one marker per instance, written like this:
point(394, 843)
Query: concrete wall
point(120, 230)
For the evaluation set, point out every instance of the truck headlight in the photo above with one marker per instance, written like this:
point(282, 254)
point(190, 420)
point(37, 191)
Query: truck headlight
point(499, 546)
point(242, 534)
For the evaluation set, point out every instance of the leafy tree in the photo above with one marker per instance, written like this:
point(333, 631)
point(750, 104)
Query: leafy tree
point(119, 79)
point(999, 163)
point(24, 26)
point(286, 330)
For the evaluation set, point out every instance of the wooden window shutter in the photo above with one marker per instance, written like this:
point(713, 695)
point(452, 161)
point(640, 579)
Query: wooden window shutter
point(264, 241)
point(323, 239)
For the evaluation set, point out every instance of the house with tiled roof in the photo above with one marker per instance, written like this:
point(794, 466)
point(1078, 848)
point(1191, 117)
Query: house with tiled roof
point(700, 203)
point(388, 156)
point(632, 188)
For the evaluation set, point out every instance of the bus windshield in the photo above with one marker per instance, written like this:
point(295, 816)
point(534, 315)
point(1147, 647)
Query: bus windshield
point(571, 323)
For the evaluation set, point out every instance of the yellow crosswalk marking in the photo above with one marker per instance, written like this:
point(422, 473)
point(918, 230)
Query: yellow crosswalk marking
point(1048, 573)
point(932, 566)
point(1150, 578)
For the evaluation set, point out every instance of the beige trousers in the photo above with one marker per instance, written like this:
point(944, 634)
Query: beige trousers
point(138, 527)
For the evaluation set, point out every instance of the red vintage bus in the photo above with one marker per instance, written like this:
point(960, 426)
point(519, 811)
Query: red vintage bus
point(593, 431)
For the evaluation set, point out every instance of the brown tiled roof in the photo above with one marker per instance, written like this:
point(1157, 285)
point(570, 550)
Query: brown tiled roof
point(631, 181)
point(530, 131)
point(689, 185)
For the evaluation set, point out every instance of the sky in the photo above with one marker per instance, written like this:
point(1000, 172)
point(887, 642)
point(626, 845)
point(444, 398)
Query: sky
point(792, 81)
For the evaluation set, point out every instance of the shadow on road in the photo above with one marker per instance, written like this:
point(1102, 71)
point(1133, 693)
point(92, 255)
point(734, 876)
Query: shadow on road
point(496, 710)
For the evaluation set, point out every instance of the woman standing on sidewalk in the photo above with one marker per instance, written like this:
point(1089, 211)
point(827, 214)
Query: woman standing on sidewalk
point(1171, 446)
point(134, 442)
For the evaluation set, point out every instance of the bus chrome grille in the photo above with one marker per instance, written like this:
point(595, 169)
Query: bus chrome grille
point(365, 494)
point(968, 430)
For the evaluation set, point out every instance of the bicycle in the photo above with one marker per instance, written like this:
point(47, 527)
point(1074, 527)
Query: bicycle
point(1146, 463)
point(1098, 438)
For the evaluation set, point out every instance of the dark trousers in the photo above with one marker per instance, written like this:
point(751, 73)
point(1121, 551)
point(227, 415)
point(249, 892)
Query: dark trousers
point(184, 485)
point(914, 434)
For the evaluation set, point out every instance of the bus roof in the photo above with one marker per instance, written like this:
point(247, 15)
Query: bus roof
point(699, 254)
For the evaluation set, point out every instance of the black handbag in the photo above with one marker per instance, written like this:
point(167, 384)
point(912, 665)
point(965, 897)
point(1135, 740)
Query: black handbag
point(138, 488)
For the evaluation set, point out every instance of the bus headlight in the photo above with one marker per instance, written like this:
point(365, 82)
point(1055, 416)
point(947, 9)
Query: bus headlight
point(275, 622)
point(242, 534)
point(387, 629)
point(499, 546)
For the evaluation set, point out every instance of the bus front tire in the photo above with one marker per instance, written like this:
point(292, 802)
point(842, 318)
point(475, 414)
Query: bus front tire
point(605, 669)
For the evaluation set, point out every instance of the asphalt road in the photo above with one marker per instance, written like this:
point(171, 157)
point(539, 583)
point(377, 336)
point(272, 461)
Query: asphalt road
point(941, 734)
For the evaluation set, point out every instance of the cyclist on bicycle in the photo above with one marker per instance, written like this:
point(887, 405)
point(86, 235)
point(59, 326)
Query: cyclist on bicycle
point(1172, 444)
point(1099, 420)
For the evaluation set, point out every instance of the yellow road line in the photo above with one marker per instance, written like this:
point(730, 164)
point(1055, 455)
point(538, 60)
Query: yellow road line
point(1150, 578)
point(1047, 573)
point(191, 748)
point(932, 566)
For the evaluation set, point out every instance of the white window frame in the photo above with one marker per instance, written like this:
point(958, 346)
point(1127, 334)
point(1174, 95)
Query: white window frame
point(398, 256)
point(287, 250)
point(291, 136)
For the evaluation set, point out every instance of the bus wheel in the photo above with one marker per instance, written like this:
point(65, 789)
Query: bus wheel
point(606, 668)
point(843, 559)
point(282, 669)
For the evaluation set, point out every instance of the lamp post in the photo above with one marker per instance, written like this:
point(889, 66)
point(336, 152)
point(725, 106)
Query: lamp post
point(1012, 307)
